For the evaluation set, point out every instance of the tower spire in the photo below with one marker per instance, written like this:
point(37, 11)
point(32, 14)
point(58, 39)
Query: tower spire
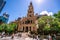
point(30, 10)
point(31, 3)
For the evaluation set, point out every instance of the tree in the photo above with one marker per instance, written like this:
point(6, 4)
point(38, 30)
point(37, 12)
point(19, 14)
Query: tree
point(57, 18)
point(57, 15)
point(46, 29)
point(44, 22)
point(48, 24)
point(8, 28)
point(11, 27)
point(1, 28)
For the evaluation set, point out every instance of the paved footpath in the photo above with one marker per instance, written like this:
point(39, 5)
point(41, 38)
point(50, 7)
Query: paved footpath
point(24, 37)
point(15, 38)
point(18, 38)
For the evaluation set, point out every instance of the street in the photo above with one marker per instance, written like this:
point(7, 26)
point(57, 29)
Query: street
point(17, 38)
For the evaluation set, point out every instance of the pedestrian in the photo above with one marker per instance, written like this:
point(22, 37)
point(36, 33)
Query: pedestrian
point(2, 34)
point(49, 37)
point(19, 35)
point(37, 37)
point(33, 36)
point(12, 35)
point(54, 37)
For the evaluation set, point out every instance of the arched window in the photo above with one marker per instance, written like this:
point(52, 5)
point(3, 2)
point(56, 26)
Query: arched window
point(30, 28)
point(27, 21)
point(30, 15)
point(23, 22)
point(31, 21)
point(30, 12)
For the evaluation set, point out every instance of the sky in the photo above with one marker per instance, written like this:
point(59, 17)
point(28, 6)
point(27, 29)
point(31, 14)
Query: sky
point(18, 8)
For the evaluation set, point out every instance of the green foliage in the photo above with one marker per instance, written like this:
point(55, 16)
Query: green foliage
point(57, 21)
point(11, 27)
point(8, 27)
point(57, 15)
point(47, 27)
point(44, 20)
point(1, 28)
point(49, 23)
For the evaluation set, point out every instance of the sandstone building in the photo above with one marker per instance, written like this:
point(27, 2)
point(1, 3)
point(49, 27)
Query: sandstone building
point(28, 23)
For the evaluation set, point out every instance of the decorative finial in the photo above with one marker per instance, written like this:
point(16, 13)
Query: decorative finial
point(31, 3)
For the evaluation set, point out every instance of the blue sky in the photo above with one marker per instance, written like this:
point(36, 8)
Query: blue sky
point(18, 8)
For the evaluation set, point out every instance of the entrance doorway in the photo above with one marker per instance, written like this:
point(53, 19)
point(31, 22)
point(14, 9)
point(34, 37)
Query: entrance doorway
point(30, 28)
point(26, 29)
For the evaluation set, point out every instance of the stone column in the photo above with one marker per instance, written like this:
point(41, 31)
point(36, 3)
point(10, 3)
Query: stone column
point(24, 29)
point(32, 28)
point(28, 29)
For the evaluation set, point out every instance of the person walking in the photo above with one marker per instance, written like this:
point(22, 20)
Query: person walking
point(37, 37)
point(49, 37)
point(12, 36)
point(54, 37)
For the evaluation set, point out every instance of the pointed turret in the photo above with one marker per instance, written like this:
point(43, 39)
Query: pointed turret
point(30, 10)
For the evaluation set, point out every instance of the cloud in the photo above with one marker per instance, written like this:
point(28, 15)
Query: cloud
point(47, 13)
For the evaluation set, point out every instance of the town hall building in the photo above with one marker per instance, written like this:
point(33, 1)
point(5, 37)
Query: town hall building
point(28, 23)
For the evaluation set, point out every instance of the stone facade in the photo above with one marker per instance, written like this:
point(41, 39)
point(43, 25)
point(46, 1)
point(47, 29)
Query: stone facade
point(28, 23)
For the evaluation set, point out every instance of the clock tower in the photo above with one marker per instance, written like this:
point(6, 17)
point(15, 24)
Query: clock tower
point(30, 10)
